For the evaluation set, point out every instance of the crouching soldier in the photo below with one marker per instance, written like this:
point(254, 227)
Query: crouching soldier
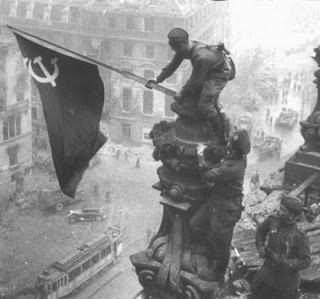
point(285, 253)
point(212, 68)
point(215, 220)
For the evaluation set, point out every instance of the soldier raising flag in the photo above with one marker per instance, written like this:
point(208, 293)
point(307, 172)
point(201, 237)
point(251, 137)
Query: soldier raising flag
point(212, 68)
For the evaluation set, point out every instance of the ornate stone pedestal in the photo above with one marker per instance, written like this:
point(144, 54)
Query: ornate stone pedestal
point(306, 160)
point(174, 266)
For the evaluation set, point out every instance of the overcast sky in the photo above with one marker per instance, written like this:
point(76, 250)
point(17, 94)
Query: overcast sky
point(277, 24)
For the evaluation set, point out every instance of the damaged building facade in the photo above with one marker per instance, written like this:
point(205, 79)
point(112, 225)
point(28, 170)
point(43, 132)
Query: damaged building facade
point(130, 35)
point(15, 116)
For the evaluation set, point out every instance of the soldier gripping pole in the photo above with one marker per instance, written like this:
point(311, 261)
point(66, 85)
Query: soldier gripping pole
point(124, 73)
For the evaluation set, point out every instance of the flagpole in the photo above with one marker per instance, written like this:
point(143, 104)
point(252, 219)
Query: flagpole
point(124, 73)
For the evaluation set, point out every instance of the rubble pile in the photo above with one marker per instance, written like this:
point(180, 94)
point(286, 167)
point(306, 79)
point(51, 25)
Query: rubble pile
point(258, 206)
point(274, 181)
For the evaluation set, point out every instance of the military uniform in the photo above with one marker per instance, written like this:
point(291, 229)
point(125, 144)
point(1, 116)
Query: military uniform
point(216, 218)
point(287, 252)
point(211, 72)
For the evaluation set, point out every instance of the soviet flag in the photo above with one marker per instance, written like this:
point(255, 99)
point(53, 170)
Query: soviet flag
point(72, 95)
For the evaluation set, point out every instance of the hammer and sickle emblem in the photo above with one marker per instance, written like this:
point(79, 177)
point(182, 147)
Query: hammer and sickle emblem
point(48, 78)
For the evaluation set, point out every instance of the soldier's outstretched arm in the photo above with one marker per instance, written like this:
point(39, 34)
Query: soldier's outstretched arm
point(216, 174)
point(168, 70)
point(223, 173)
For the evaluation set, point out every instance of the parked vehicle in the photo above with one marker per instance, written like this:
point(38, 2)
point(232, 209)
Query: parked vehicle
point(287, 118)
point(65, 276)
point(257, 141)
point(89, 214)
point(245, 122)
point(271, 146)
point(56, 200)
point(251, 102)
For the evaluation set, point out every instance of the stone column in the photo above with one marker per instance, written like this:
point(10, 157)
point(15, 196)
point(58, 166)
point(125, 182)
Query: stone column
point(173, 265)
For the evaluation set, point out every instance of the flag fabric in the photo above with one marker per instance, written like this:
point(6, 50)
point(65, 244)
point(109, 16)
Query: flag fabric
point(72, 96)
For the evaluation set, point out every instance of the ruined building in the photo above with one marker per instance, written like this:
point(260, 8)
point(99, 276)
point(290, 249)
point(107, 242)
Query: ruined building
point(15, 116)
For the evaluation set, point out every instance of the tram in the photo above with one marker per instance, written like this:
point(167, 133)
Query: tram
point(63, 277)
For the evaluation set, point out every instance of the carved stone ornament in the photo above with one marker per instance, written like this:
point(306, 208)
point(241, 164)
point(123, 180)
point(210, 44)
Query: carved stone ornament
point(306, 160)
point(310, 128)
point(173, 265)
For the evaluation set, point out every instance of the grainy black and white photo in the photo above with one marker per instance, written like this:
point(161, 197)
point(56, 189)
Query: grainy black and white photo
point(159, 149)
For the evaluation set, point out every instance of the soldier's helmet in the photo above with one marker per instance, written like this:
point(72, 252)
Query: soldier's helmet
point(240, 141)
point(177, 36)
point(293, 204)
